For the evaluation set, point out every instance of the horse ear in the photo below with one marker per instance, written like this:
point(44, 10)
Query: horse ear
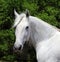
point(16, 14)
point(27, 13)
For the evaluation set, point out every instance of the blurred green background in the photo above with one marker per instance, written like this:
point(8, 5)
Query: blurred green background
point(47, 10)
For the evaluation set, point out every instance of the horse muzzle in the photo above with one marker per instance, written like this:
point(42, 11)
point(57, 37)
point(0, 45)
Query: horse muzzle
point(17, 49)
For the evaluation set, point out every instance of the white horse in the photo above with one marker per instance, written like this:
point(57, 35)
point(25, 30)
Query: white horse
point(44, 37)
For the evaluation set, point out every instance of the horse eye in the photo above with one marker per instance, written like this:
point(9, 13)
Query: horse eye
point(27, 27)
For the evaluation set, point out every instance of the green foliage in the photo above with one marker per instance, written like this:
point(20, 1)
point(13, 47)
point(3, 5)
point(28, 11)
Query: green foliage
point(52, 10)
point(48, 18)
point(6, 43)
point(31, 6)
point(47, 10)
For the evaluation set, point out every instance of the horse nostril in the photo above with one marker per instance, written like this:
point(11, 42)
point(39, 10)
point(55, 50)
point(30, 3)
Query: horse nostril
point(20, 47)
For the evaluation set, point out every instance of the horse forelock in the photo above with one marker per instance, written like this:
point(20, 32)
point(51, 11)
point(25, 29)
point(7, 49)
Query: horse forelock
point(18, 19)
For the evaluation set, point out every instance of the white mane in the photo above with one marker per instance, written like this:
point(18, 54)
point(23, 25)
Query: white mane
point(18, 19)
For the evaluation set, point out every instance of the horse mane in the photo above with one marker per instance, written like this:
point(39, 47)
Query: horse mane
point(39, 21)
point(18, 19)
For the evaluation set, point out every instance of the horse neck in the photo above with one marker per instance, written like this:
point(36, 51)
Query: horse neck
point(40, 30)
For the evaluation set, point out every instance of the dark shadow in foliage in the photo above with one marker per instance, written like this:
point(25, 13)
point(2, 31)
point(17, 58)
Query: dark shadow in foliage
point(27, 54)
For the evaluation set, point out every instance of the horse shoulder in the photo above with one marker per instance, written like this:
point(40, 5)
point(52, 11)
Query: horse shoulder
point(49, 48)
